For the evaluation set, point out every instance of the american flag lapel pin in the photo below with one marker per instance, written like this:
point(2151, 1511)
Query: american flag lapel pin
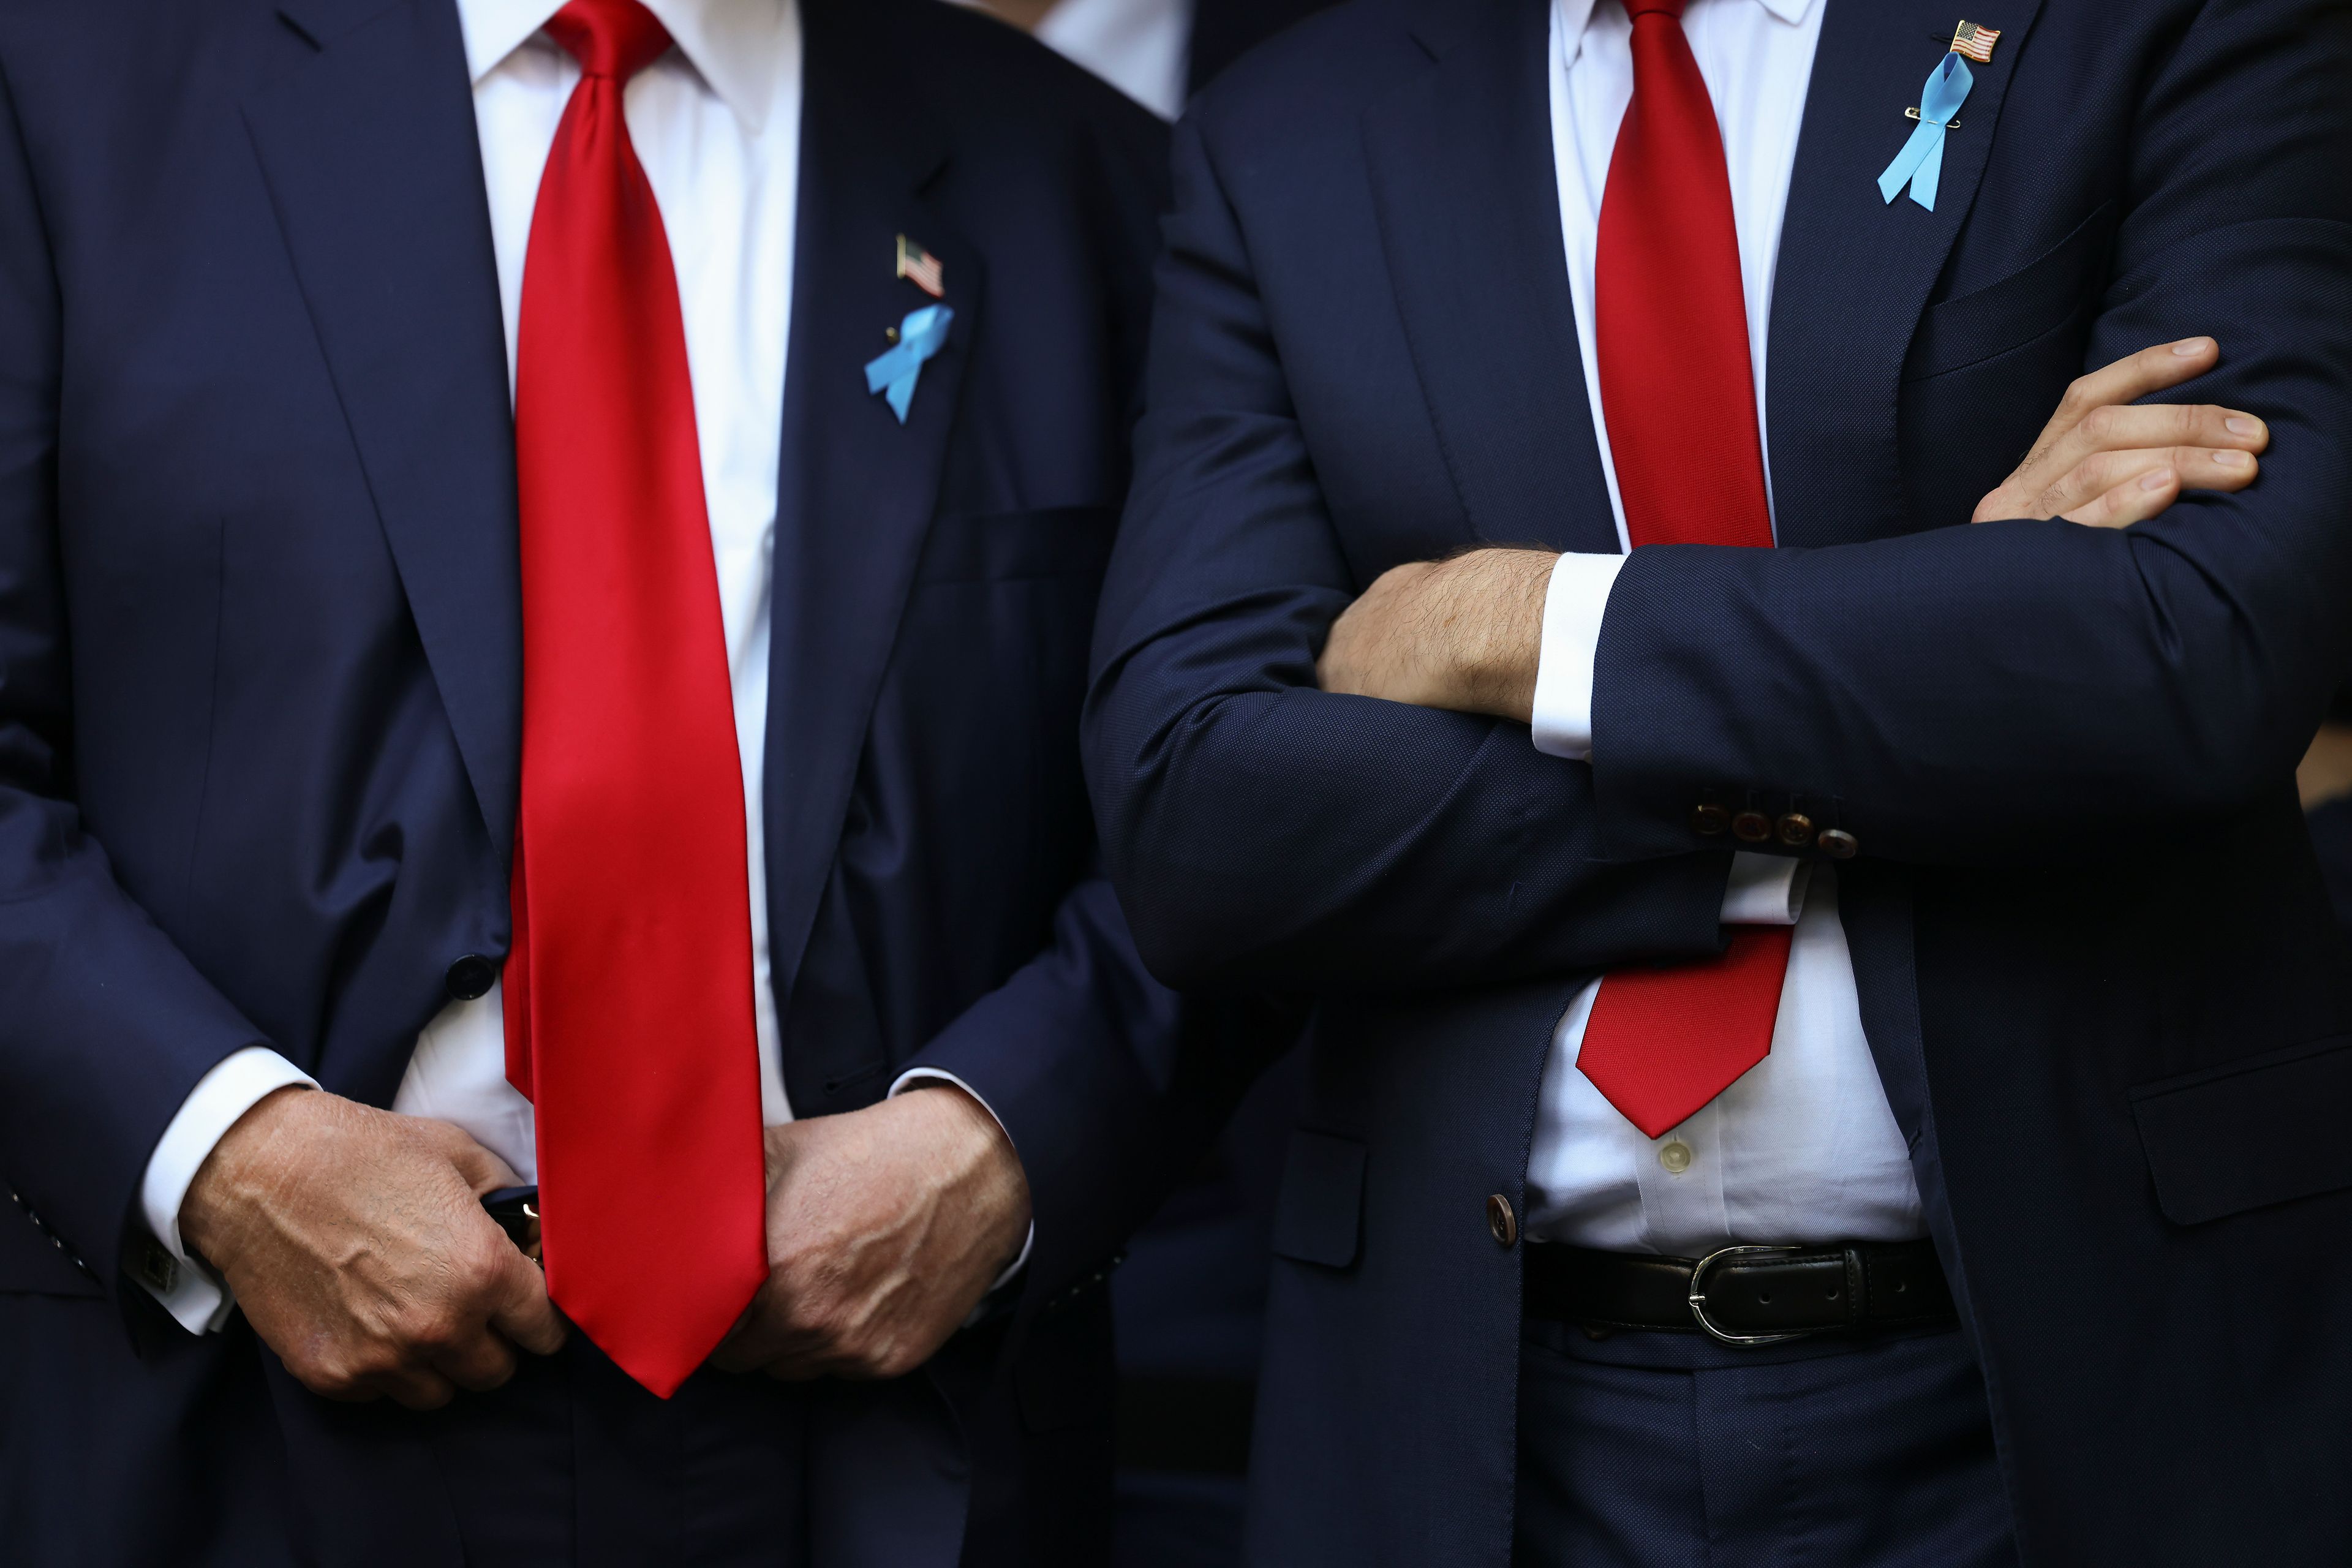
point(1974, 41)
point(1919, 167)
point(924, 270)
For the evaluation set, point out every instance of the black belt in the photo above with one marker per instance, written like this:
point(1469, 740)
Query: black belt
point(1744, 1295)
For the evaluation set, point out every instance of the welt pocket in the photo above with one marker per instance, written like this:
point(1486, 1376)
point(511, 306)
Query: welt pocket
point(987, 547)
point(1319, 1218)
point(2263, 1130)
point(2036, 299)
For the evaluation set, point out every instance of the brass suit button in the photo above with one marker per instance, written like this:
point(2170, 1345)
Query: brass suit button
point(1709, 821)
point(1839, 845)
point(1751, 827)
point(1796, 830)
point(1501, 1222)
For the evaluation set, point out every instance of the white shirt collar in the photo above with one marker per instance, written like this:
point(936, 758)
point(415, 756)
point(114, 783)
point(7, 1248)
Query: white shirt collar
point(1575, 14)
point(738, 46)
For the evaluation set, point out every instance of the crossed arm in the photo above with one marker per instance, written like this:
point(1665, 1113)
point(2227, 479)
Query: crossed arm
point(2023, 687)
point(1467, 633)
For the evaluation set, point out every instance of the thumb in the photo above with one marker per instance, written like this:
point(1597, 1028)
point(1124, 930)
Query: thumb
point(524, 1313)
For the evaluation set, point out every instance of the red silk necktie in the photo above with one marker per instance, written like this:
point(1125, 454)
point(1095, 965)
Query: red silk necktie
point(628, 997)
point(1678, 392)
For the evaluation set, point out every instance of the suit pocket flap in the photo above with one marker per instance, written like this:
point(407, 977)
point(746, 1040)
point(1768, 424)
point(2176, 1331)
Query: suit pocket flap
point(2254, 1133)
point(1988, 321)
point(1322, 1202)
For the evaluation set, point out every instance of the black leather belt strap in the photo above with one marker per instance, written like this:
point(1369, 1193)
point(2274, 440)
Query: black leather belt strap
point(1745, 1294)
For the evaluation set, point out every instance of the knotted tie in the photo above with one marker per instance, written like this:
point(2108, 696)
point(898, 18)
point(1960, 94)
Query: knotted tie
point(1678, 392)
point(628, 998)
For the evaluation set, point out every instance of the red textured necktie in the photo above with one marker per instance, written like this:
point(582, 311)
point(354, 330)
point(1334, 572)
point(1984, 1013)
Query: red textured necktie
point(1678, 391)
point(628, 998)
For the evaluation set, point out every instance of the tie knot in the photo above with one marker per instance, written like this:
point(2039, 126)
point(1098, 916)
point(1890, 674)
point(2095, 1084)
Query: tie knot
point(614, 38)
point(1672, 10)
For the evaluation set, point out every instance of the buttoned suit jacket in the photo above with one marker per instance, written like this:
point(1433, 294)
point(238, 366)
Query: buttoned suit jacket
point(2095, 963)
point(258, 702)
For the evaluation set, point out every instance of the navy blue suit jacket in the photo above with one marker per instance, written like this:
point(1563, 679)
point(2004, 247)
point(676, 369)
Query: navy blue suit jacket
point(2097, 969)
point(258, 680)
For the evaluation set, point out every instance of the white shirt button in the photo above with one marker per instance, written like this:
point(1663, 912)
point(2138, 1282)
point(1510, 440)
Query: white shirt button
point(1675, 1157)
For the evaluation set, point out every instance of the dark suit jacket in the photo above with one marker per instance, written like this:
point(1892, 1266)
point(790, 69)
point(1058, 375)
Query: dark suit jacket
point(2096, 965)
point(1225, 30)
point(259, 687)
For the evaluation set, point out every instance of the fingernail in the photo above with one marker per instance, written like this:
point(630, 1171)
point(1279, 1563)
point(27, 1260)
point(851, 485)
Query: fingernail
point(2238, 425)
point(2187, 348)
point(2157, 480)
point(2232, 460)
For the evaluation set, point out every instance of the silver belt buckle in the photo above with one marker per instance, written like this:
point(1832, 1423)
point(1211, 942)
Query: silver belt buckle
point(1698, 1298)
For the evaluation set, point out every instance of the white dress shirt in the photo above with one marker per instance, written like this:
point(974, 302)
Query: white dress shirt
point(1803, 1147)
point(716, 123)
point(1143, 47)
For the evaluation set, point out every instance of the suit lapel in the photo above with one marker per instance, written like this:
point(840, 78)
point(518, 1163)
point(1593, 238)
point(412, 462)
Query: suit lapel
point(369, 156)
point(1462, 175)
point(857, 488)
point(1854, 271)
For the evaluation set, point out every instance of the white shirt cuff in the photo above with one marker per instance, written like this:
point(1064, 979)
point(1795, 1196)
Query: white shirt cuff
point(1572, 635)
point(914, 1075)
point(237, 1084)
point(1766, 889)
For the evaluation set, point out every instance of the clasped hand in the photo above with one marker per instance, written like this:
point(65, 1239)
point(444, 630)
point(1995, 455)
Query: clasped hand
point(357, 1246)
point(1467, 633)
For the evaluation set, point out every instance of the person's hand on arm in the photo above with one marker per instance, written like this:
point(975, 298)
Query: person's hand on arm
point(2108, 461)
point(356, 1244)
point(886, 1227)
point(1467, 633)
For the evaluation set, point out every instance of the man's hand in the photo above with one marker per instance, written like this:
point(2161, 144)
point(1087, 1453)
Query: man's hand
point(886, 1226)
point(2102, 462)
point(357, 1246)
point(2326, 771)
point(1463, 633)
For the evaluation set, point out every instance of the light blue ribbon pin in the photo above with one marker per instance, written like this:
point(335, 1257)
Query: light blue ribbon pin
point(1921, 162)
point(894, 374)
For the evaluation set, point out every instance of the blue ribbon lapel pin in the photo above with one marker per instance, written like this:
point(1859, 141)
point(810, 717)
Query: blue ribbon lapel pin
point(1920, 163)
point(918, 337)
point(895, 374)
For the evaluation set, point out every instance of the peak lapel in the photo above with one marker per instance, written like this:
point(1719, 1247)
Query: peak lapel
point(1854, 271)
point(857, 488)
point(369, 156)
point(1462, 175)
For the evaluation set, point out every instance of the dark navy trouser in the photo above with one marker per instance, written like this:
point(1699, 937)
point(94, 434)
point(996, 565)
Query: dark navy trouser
point(1650, 1450)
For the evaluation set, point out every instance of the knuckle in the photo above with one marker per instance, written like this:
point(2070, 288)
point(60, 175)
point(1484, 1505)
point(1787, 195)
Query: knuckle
point(2099, 424)
point(328, 1374)
point(427, 1328)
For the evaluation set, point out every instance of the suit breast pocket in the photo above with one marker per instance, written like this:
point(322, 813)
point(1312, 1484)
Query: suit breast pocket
point(2058, 287)
point(1065, 541)
point(2264, 1130)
